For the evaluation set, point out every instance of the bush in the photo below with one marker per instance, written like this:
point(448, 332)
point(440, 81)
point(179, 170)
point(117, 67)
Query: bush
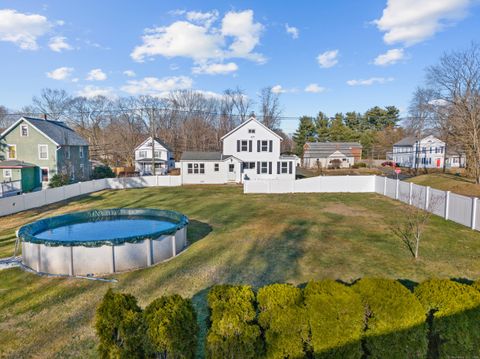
point(396, 320)
point(233, 332)
point(456, 317)
point(59, 180)
point(359, 165)
point(283, 319)
point(102, 172)
point(119, 326)
point(336, 319)
point(171, 327)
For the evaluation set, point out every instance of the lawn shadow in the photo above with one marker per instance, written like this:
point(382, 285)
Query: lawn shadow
point(197, 230)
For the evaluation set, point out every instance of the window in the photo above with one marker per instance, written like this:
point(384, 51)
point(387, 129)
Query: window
point(196, 168)
point(12, 152)
point(142, 154)
point(244, 145)
point(231, 167)
point(263, 167)
point(264, 147)
point(44, 174)
point(43, 152)
point(190, 168)
point(157, 154)
point(248, 165)
point(7, 173)
point(251, 130)
point(202, 168)
point(284, 168)
point(80, 151)
point(67, 152)
point(24, 130)
point(216, 167)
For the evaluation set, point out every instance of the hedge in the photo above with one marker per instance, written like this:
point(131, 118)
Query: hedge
point(336, 319)
point(456, 317)
point(283, 318)
point(119, 326)
point(233, 332)
point(172, 328)
point(396, 320)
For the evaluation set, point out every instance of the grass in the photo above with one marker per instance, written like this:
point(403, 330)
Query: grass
point(235, 238)
point(448, 182)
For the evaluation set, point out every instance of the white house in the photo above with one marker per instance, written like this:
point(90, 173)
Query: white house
point(427, 152)
point(250, 151)
point(331, 154)
point(163, 157)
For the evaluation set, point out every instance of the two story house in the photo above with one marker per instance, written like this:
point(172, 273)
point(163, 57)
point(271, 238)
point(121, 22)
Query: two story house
point(162, 157)
point(250, 151)
point(51, 145)
point(421, 152)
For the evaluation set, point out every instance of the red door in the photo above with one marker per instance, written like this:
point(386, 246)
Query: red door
point(438, 162)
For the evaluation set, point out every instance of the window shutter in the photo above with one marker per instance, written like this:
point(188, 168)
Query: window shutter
point(238, 145)
point(290, 169)
point(271, 146)
point(258, 168)
point(278, 168)
point(258, 145)
point(250, 146)
point(269, 167)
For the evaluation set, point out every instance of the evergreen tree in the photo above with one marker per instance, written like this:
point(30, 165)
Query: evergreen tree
point(305, 133)
point(322, 127)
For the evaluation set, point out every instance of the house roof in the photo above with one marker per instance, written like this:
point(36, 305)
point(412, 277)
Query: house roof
point(56, 131)
point(326, 149)
point(204, 156)
point(407, 141)
point(161, 142)
point(15, 164)
point(248, 121)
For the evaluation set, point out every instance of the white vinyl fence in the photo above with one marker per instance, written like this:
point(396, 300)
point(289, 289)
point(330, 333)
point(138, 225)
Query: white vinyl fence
point(14, 204)
point(457, 208)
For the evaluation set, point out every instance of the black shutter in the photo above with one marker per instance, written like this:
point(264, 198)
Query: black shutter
point(258, 145)
point(258, 168)
point(269, 167)
point(271, 146)
point(278, 168)
point(290, 165)
point(250, 146)
point(238, 145)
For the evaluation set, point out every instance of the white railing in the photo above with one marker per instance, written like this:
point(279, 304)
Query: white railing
point(10, 188)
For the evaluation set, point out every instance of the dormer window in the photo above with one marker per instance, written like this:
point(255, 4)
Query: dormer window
point(24, 130)
point(251, 130)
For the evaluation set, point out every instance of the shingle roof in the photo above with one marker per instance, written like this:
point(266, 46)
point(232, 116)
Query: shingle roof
point(203, 156)
point(15, 164)
point(58, 132)
point(325, 149)
point(407, 141)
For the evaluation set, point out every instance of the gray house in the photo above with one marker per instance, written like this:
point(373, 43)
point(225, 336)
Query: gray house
point(329, 154)
point(51, 145)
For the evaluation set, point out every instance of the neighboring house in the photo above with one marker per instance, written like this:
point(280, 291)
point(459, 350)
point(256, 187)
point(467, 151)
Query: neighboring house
point(51, 145)
point(424, 152)
point(163, 157)
point(250, 151)
point(331, 154)
point(455, 159)
point(17, 177)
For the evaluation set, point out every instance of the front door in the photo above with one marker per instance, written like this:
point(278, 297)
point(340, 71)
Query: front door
point(438, 162)
point(231, 172)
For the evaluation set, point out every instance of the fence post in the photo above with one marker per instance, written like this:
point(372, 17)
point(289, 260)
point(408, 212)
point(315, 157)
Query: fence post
point(112, 263)
point(427, 196)
point(397, 184)
point(447, 203)
point(410, 194)
point(385, 185)
point(474, 212)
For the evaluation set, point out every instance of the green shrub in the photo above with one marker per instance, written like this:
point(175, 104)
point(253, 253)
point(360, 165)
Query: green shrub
point(59, 180)
point(359, 165)
point(233, 332)
point(336, 318)
point(456, 317)
point(102, 172)
point(172, 327)
point(283, 319)
point(119, 326)
point(396, 320)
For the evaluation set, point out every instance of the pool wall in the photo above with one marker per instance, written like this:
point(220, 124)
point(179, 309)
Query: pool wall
point(80, 260)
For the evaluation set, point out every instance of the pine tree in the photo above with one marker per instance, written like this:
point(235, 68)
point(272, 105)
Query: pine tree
point(322, 127)
point(305, 133)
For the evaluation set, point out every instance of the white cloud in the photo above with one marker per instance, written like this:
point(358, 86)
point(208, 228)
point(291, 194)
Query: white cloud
point(23, 29)
point(215, 69)
point(314, 88)
point(129, 73)
point(389, 58)
point(157, 87)
point(370, 81)
point(292, 31)
point(278, 89)
point(62, 73)
point(59, 43)
point(412, 21)
point(237, 37)
point(93, 91)
point(328, 58)
point(96, 75)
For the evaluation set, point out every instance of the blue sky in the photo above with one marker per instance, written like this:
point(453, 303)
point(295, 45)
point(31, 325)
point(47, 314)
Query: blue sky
point(319, 55)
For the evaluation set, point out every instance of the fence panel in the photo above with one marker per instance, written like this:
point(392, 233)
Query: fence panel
point(418, 195)
point(379, 184)
point(391, 188)
point(460, 209)
point(282, 186)
point(53, 195)
point(256, 187)
point(11, 205)
point(404, 192)
point(86, 187)
point(72, 190)
point(35, 199)
point(436, 202)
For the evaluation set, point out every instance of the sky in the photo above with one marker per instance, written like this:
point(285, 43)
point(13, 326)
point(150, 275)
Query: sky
point(330, 55)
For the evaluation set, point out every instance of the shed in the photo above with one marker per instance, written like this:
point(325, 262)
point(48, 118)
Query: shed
point(18, 176)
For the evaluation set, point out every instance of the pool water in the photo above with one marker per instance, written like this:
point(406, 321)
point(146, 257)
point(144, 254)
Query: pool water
point(105, 229)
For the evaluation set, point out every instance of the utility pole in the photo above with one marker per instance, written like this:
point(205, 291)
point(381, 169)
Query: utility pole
point(152, 126)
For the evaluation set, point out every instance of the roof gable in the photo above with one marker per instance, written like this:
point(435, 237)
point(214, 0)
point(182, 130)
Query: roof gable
point(157, 140)
point(251, 119)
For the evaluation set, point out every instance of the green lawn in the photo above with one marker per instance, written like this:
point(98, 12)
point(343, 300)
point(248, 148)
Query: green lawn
point(448, 182)
point(235, 238)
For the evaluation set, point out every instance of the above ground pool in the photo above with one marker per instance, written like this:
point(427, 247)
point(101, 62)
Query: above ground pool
point(102, 241)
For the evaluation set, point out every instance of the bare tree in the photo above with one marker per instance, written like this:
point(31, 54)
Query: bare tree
point(270, 110)
point(421, 111)
point(5, 119)
point(53, 102)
